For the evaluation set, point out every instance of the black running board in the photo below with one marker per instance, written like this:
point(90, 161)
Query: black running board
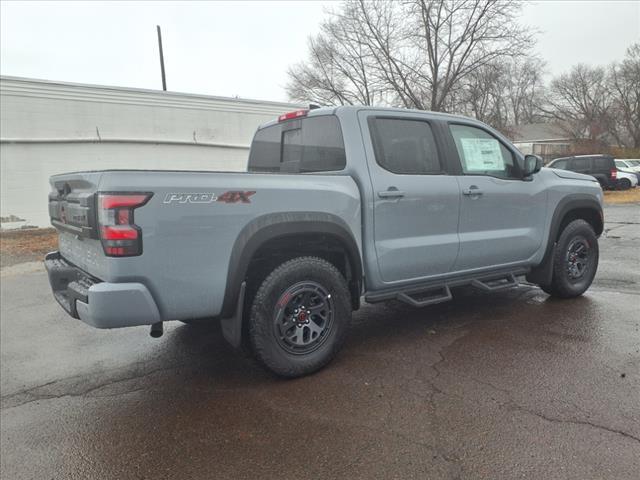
point(495, 284)
point(427, 297)
point(433, 293)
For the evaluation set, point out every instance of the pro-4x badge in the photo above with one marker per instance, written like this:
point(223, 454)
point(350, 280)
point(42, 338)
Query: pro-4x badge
point(232, 196)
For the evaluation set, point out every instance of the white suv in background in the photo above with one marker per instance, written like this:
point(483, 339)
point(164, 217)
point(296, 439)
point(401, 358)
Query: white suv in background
point(628, 165)
point(628, 173)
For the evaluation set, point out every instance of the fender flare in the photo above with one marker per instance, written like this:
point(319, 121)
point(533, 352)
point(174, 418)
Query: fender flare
point(542, 273)
point(268, 227)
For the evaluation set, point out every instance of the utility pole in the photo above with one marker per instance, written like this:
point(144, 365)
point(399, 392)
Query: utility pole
point(164, 79)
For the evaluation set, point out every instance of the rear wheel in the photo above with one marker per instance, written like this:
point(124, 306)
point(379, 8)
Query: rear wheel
point(575, 261)
point(299, 317)
point(624, 184)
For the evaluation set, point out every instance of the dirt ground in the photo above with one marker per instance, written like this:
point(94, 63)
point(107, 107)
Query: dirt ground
point(20, 246)
point(627, 196)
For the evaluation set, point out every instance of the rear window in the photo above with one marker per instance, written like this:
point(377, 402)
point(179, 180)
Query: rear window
point(312, 144)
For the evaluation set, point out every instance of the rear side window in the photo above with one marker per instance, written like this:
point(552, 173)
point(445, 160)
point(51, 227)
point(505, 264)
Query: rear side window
point(312, 144)
point(405, 146)
point(581, 164)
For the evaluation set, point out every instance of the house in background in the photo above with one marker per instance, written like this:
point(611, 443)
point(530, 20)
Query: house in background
point(548, 140)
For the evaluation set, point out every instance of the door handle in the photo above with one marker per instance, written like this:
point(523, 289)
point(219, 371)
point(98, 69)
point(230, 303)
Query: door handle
point(391, 192)
point(472, 191)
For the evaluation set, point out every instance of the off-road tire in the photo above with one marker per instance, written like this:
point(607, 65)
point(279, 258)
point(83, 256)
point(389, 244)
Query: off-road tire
point(562, 284)
point(263, 330)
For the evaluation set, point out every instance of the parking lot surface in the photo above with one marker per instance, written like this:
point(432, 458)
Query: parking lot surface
point(488, 386)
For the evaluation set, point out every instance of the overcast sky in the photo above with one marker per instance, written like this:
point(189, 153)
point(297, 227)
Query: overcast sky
point(244, 48)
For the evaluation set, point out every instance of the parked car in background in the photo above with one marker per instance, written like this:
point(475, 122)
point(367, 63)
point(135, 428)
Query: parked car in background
point(629, 165)
point(626, 180)
point(601, 167)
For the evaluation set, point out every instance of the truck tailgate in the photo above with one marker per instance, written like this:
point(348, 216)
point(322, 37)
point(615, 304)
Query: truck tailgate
point(72, 208)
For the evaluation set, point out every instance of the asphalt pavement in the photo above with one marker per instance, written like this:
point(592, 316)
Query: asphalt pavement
point(489, 386)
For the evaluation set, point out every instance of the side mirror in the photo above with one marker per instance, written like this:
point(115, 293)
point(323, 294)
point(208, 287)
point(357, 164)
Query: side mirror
point(532, 164)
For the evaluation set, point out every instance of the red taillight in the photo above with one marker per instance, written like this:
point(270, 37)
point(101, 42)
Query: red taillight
point(614, 174)
point(120, 236)
point(109, 201)
point(119, 232)
point(292, 115)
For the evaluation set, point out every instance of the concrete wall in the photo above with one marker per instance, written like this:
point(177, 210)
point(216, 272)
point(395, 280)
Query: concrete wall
point(51, 127)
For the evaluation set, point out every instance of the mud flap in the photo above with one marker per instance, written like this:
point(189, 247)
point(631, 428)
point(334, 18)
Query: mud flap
point(232, 327)
point(543, 273)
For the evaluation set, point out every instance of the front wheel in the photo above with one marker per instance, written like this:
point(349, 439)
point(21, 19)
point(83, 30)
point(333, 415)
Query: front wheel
point(575, 261)
point(299, 317)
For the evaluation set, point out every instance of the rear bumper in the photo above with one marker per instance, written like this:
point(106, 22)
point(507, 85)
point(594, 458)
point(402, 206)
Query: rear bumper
point(97, 303)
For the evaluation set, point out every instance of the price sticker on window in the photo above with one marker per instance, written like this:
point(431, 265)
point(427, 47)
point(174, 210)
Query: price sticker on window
point(482, 154)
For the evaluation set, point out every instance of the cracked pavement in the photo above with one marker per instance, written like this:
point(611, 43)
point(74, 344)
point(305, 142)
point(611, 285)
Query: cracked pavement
point(488, 386)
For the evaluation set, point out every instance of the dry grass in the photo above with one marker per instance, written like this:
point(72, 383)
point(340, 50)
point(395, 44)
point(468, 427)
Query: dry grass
point(17, 246)
point(626, 196)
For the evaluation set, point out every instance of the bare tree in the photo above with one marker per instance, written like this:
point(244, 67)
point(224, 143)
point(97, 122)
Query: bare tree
point(458, 37)
point(415, 53)
point(341, 68)
point(624, 82)
point(524, 90)
point(581, 99)
point(503, 93)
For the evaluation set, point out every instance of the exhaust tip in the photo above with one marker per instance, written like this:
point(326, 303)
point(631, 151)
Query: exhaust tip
point(156, 330)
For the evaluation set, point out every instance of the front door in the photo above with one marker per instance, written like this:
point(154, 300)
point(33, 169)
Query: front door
point(416, 204)
point(501, 215)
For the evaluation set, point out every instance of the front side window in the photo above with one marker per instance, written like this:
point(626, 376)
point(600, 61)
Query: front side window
point(405, 147)
point(483, 154)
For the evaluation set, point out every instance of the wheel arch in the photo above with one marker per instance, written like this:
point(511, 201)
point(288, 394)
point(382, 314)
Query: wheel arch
point(286, 235)
point(572, 207)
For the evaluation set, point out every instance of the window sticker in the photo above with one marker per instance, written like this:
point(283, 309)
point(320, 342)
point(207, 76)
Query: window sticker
point(482, 154)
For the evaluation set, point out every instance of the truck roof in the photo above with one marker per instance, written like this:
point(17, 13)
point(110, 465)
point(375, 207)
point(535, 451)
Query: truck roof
point(334, 110)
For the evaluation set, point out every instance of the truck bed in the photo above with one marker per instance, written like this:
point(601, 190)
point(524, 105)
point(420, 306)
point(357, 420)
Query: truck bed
point(189, 226)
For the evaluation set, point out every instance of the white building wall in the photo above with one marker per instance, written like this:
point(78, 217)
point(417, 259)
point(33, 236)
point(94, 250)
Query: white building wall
point(49, 127)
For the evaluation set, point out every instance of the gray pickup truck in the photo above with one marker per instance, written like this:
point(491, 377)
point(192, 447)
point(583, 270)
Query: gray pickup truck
point(338, 204)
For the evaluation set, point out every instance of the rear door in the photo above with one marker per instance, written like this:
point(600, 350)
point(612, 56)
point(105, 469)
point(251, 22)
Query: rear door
point(502, 216)
point(416, 203)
